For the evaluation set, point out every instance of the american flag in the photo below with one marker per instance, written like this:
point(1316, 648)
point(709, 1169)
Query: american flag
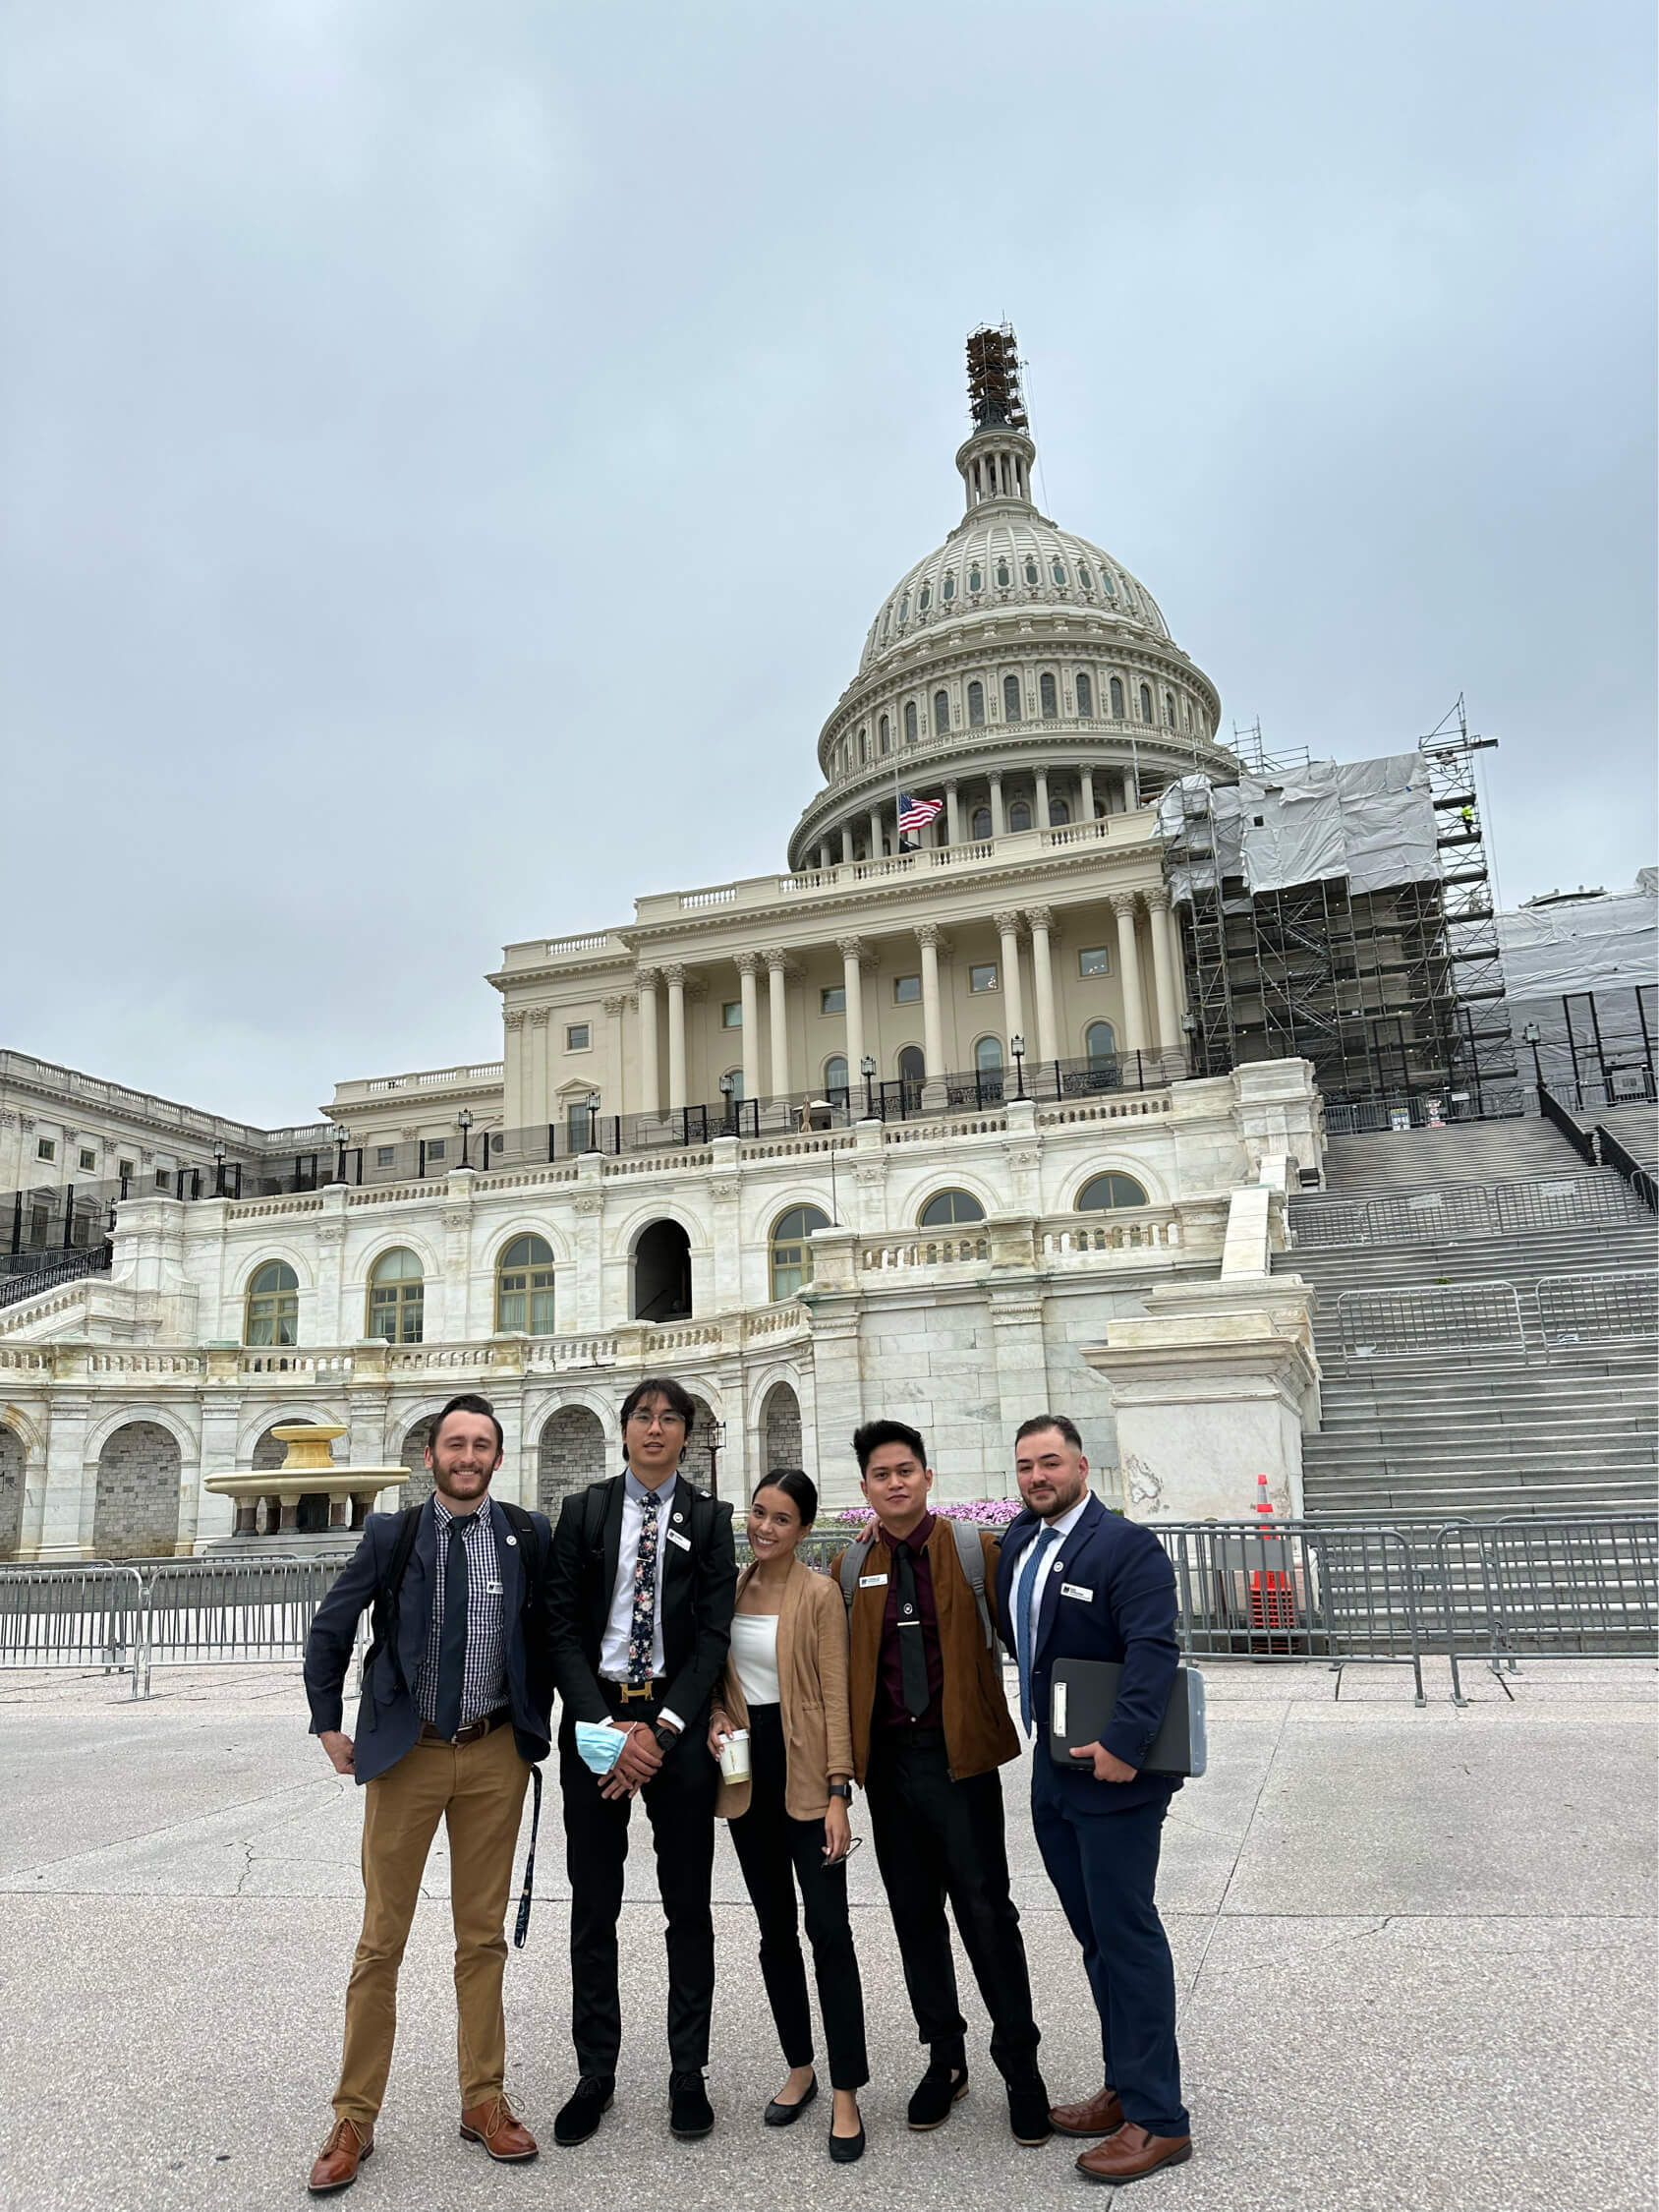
point(917, 813)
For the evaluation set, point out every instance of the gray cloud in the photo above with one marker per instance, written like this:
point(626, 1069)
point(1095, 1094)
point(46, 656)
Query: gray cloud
point(453, 455)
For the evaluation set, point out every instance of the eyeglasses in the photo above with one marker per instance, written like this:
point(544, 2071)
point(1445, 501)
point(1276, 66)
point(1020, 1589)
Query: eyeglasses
point(640, 1418)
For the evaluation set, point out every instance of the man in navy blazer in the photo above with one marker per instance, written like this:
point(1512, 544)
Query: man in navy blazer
point(1076, 1582)
point(455, 1708)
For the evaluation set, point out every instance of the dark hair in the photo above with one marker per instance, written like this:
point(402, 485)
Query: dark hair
point(680, 1400)
point(468, 1401)
point(874, 1434)
point(1062, 1421)
point(797, 1486)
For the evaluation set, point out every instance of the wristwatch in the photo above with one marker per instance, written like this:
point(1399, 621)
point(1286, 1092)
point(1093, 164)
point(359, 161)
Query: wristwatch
point(842, 1790)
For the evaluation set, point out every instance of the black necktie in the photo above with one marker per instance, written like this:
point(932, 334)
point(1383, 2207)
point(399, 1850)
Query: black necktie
point(912, 1653)
point(452, 1641)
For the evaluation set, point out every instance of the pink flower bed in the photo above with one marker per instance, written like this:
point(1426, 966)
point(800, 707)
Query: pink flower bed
point(988, 1512)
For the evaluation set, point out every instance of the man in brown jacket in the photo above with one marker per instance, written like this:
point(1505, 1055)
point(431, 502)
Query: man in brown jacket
point(930, 1728)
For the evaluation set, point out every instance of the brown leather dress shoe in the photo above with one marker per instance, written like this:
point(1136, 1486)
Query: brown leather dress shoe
point(1102, 2114)
point(492, 2125)
point(336, 2163)
point(1132, 2152)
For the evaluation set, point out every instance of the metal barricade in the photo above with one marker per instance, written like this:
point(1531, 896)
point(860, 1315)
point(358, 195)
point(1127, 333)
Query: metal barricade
point(1548, 1588)
point(232, 1611)
point(1397, 1321)
point(89, 1615)
point(1597, 1308)
point(1341, 1592)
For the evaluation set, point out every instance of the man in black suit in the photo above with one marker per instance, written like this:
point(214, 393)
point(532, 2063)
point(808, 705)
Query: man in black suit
point(454, 1711)
point(640, 1599)
point(1077, 1582)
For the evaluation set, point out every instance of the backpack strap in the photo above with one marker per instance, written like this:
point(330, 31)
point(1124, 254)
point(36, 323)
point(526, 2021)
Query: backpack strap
point(970, 1557)
point(384, 1616)
point(523, 1526)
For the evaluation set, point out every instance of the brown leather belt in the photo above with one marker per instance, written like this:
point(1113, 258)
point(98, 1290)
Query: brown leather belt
point(473, 1730)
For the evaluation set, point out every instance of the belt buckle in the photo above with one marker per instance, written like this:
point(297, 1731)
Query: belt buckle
point(632, 1692)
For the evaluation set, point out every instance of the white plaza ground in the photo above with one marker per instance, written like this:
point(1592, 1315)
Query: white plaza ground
point(1414, 1948)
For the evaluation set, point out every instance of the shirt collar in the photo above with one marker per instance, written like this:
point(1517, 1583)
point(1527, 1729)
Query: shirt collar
point(636, 1492)
point(917, 1540)
point(1069, 1520)
point(442, 1515)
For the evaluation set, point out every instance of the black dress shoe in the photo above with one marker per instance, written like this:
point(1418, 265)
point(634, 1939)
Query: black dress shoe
point(689, 2111)
point(785, 2116)
point(582, 2114)
point(936, 2093)
point(846, 2150)
point(1028, 2111)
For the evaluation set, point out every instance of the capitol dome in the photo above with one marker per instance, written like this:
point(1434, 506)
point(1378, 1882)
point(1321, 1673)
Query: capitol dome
point(1018, 670)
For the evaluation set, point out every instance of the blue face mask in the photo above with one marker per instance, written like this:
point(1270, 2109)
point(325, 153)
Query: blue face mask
point(598, 1746)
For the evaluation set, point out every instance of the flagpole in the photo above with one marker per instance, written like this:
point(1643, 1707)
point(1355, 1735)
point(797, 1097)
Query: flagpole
point(897, 810)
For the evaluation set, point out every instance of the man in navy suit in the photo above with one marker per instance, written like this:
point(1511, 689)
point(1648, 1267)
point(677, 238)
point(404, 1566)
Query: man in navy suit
point(455, 1708)
point(1077, 1582)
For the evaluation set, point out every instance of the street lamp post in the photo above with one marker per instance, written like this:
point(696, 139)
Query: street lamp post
point(464, 1123)
point(593, 1144)
point(716, 1443)
point(1532, 1034)
point(342, 1137)
point(867, 1069)
point(1017, 1045)
point(729, 1091)
point(220, 1170)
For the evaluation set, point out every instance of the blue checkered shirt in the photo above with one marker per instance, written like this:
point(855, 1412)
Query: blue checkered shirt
point(483, 1682)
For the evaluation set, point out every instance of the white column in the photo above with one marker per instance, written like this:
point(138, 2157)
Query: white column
point(846, 841)
point(1013, 1006)
point(1042, 809)
point(1164, 969)
point(998, 818)
point(1131, 790)
point(674, 977)
point(1128, 972)
point(1041, 921)
point(850, 949)
point(874, 833)
point(953, 814)
point(933, 1028)
point(747, 964)
point(1086, 794)
point(650, 1080)
point(777, 1007)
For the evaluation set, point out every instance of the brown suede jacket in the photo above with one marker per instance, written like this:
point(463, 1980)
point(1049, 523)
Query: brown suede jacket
point(979, 1734)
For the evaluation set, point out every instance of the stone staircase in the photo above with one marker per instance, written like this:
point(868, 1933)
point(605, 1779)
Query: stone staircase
point(1465, 1429)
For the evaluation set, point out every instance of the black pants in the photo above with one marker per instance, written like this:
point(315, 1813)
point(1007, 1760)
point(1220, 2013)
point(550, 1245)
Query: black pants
point(774, 1851)
point(680, 1801)
point(939, 1839)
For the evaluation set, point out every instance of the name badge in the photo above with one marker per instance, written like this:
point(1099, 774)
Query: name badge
point(1076, 1590)
point(674, 1536)
point(493, 1590)
point(871, 1582)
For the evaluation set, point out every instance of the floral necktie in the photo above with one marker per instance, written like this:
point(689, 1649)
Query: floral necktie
point(643, 1633)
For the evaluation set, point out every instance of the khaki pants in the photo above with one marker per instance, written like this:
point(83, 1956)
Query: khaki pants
point(478, 1788)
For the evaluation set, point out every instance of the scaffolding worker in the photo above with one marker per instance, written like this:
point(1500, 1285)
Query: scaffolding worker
point(1466, 815)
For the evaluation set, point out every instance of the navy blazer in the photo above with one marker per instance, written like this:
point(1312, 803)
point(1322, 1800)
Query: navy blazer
point(1130, 1619)
point(387, 1719)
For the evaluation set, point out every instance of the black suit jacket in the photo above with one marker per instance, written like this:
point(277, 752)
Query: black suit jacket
point(387, 1719)
point(699, 1587)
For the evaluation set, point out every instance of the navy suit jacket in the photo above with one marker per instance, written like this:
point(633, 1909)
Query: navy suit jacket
point(1130, 1619)
point(387, 1719)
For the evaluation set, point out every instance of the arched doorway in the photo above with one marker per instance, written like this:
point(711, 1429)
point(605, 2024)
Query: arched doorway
point(663, 1273)
point(572, 1455)
point(419, 1486)
point(11, 1491)
point(136, 1507)
point(781, 1428)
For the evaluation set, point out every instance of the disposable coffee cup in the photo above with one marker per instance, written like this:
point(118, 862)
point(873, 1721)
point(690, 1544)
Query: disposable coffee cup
point(734, 1756)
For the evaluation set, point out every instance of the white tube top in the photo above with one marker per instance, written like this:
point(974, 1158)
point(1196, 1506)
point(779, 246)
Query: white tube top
point(754, 1653)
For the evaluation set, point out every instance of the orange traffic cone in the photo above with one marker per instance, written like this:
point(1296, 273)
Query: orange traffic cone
point(1273, 1604)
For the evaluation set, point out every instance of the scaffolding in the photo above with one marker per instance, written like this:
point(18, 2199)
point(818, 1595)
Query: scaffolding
point(1390, 988)
point(995, 398)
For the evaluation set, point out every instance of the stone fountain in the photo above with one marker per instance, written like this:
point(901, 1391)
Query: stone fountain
point(308, 1494)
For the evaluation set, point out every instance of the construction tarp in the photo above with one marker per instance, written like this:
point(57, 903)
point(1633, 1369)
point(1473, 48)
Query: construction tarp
point(1607, 941)
point(1370, 821)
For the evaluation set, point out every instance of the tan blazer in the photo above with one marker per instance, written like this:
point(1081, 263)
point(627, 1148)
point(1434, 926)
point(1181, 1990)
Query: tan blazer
point(812, 1681)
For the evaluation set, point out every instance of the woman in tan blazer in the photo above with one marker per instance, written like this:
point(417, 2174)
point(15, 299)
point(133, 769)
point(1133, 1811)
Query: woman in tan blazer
point(786, 1683)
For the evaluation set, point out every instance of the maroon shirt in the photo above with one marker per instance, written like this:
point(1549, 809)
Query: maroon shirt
point(890, 1710)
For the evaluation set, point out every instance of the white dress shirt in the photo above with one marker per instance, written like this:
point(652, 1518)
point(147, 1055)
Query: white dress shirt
point(619, 1625)
point(1028, 1584)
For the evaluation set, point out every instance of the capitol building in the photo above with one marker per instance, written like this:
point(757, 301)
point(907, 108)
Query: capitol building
point(903, 1127)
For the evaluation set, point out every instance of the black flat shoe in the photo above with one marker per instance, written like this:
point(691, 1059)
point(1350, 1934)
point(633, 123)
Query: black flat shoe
point(578, 2119)
point(785, 2116)
point(846, 2150)
point(1028, 2111)
point(689, 2111)
point(935, 2095)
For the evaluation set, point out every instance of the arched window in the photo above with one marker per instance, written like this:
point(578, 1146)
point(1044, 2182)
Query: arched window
point(1010, 698)
point(948, 589)
point(976, 706)
point(1049, 695)
point(1020, 815)
point(1100, 1042)
point(1058, 572)
point(1083, 577)
point(988, 1055)
point(524, 1286)
point(396, 1295)
point(1170, 709)
point(273, 1304)
point(904, 610)
point(941, 712)
point(791, 1255)
point(1115, 694)
point(909, 722)
point(1110, 1190)
point(912, 1065)
point(924, 599)
point(1059, 813)
point(835, 1078)
point(1031, 570)
point(886, 734)
point(1003, 578)
point(981, 825)
point(946, 1208)
point(1146, 702)
point(1085, 697)
point(864, 745)
point(975, 582)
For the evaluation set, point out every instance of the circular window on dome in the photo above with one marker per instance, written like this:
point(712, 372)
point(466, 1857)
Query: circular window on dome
point(948, 590)
point(1060, 572)
point(1001, 575)
point(975, 582)
point(1105, 1191)
point(924, 599)
point(1083, 577)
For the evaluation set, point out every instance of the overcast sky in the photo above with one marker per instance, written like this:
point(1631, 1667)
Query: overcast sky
point(452, 454)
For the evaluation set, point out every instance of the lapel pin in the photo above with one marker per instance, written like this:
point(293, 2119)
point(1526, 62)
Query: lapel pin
point(512, 1540)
